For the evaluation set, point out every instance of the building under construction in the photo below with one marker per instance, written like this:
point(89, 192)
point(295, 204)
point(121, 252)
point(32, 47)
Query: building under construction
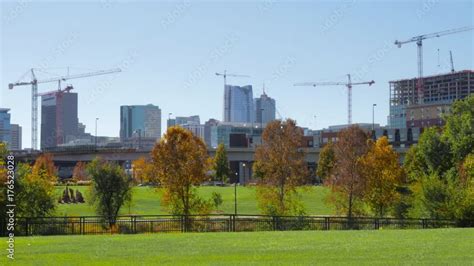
point(408, 110)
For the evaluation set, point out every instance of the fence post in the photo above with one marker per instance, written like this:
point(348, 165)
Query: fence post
point(81, 225)
point(233, 224)
point(376, 223)
point(326, 223)
point(423, 222)
point(26, 226)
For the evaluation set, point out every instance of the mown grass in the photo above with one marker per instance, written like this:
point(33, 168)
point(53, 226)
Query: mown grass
point(382, 247)
point(146, 200)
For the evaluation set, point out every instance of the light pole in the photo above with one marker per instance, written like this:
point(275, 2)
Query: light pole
point(373, 116)
point(235, 193)
point(243, 165)
point(95, 139)
point(315, 121)
point(139, 132)
point(169, 119)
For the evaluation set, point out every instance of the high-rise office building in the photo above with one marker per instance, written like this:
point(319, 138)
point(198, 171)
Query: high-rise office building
point(184, 120)
point(142, 121)
point(238, 104)
point(5, 126)
point(59, 119)
point(16, 137)
point(264, 109)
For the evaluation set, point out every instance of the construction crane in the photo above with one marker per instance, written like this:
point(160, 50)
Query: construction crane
point(451, 59)
point(348, 84)
point(225, 75)
point(34, 94)
point(419, 42)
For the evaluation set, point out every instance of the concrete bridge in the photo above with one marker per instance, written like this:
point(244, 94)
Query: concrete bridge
point(240, 159)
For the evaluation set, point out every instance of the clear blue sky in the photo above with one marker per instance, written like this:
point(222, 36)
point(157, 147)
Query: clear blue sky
point(170, 51)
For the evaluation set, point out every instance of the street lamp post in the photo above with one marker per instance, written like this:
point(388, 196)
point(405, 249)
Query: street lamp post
point(373, 116)
point(169, 119)
point(243, 165)
point(95, 139)
point(235, 193)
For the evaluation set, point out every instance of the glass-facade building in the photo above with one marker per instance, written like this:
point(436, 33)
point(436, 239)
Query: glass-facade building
point(143, 120)
point(238, 104)
point(264, 109)
point(5, 126)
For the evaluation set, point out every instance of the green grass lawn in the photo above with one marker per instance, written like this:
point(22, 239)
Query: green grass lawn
point(146, 200)
point(383, 247)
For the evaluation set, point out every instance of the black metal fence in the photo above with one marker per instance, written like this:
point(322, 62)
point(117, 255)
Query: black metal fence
point(86, 225)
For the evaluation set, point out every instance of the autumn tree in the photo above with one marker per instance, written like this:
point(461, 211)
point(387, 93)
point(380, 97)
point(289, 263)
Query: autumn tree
point(382, 175)
point(44, 165)
point(111, 188)
point(34, 186)
point(35, 193)
point(221, 164)
point(346, 180)
point(142, 170)
point(281, 168)
point(326, 161)
point(79, 173)
point(181, 163)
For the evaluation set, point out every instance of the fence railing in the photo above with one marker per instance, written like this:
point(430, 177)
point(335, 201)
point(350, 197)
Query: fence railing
point(132, 224)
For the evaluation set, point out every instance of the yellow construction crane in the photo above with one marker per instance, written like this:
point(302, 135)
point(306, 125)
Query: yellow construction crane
point(348, 84)
point(34, 94)
point(419, 43)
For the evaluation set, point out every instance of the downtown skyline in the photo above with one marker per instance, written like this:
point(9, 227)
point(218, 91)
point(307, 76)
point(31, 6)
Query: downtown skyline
point(177, 75)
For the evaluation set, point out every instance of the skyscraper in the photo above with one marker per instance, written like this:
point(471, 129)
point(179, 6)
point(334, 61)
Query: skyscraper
point(16, 137)
point(59, 119)
point(142, 121)
point(238, 104)
point(5, 127)
point(264, 109)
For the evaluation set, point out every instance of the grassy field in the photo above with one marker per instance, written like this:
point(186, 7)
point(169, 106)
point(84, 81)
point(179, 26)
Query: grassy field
point(389, 247)
point(146, 200)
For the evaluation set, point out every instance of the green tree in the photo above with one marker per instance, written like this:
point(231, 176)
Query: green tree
point(431, 155)
point(110, 190)
point(459, 129)
point(438, 166)
point(217, 199)
point(3, 179)
point(326, 162)
point(280, 165)
point(181, 163)
point(35, 193)
point(221, 164)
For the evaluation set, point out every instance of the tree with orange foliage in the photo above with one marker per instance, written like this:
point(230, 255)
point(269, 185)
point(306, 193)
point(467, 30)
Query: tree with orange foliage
point(79, 173)
point(383, 174)
point(181, 163)
point(44, 164)
point(281, 168)
point(346, 180)
point(142, 170)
